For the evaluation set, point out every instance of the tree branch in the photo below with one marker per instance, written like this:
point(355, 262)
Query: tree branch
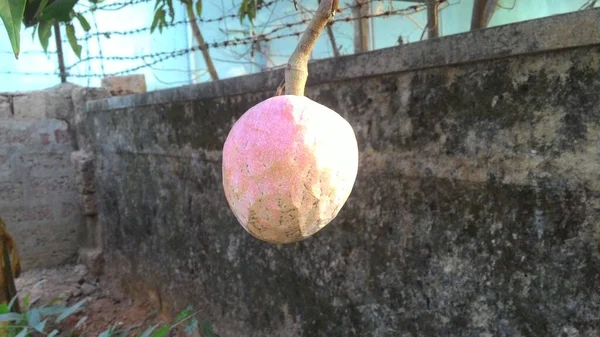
point(483, 10)
point(336, 51)
point(296, 71)
point(200, 39)
point(433, 29)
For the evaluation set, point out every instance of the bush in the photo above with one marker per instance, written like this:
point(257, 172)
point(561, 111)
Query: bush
point(45, 320)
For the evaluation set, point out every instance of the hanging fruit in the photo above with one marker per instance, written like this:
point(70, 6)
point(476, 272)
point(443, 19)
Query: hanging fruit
point(289, 163)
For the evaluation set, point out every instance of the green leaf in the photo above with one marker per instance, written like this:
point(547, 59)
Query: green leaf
point(11, 13)
point(125, 333)
point(184, 314)
point(23, 332)
point(161, 332)
point(252, 11)
point(83, 22)
point(148, 331)
point(44, 33)
point(243, 10)
point(171, 10)
point(73, 40)
point(159, 13)
point(10, 317)
point(199, 8)
point(26, 300)
point(33, 317)
point(59, 9)
point(192, 326)
point(12, 301)
point(4, 309)
point(32, 7)
point(159, 3)
point(55, 300)
point(162, 21)
point(72, 309)
point(39, 10)
point(207, 330)
point(53, 333)
point(51, 311)
point(107, 333)
point(39, 283)
point(80, 322)
point(40, 326)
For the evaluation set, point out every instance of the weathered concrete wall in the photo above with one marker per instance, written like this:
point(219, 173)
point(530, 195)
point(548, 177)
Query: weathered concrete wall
point(476, 211)
point(39, 197)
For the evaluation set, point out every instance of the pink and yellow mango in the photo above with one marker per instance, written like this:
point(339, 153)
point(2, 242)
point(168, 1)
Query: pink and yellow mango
point(289, 165)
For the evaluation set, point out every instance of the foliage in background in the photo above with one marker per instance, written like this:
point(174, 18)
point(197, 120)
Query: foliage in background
point(44, 320)
point(164, 8)
point(43, 15)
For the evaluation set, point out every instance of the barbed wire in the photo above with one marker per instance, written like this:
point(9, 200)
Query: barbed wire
point(162, 56)
point(169, 25)
point(149, 60)
point(29, 73)
point(404, 11)
point(30, 52)
point(107, 34)
point(115, 6)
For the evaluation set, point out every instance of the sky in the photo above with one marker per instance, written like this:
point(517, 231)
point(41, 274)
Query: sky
point(35, 70)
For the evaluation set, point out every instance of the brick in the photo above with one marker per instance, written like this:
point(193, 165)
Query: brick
point(60, 104)
point(11, 136)
point(69, 209)
point(46, 164)
point(82, 160)
point(80, 97)
point(31, 105)
point(45, 138)
point(62, 136)
point(93, 230)
point(54, 102)
point(90, 206)
point(51, 187)
point(124, 85)
point(85, 183)
point(18, 131)
point(24, 214)
point(4, 156)
point(11, 191)
point(52, 131)
point(84, 179)
point(6, 175)
point(93, 259)
point(5, 167)
point(5, 110)
point(46, 245)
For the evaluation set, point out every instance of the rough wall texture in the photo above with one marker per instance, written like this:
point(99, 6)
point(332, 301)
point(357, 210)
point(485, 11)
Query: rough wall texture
point(476, 211)
point(39, 199)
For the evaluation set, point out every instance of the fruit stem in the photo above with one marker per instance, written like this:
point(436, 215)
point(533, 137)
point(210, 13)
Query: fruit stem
point(296, 71)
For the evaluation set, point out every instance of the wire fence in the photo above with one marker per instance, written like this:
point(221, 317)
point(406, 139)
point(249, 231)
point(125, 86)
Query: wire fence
point(120, 41)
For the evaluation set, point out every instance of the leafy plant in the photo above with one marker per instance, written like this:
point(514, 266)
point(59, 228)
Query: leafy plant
point(43, 15)
point(43, 320)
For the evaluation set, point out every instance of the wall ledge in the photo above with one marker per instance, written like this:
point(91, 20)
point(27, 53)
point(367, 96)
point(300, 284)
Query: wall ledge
point(565, 31)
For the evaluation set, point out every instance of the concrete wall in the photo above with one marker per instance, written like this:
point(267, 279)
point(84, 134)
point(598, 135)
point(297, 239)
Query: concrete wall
point(39, 195)
point(476, 211)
